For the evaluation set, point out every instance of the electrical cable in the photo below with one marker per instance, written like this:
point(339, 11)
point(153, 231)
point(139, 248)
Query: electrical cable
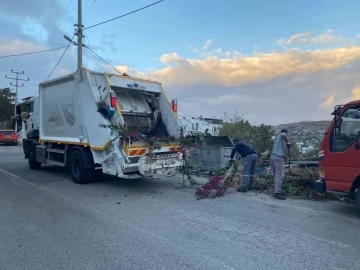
point(183, 117)
point(21, 54)
point(27, 30)
point(40, 70)
point(44, 23)
point(66, 47)
point(102, 60)
point(87, 10)
point(123, 15)
point(59, 60)
point(62, 19)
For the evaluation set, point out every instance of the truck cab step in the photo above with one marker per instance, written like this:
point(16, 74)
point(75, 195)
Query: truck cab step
point(53, 162)
point(53, 150)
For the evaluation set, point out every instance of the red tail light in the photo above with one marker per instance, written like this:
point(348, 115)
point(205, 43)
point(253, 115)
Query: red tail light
point(112, 99)
point(174, 105)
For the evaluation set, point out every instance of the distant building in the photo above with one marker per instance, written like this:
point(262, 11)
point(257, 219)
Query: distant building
point(194, 125)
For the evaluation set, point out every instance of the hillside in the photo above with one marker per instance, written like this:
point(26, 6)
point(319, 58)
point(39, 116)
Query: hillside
point(306, 134)
point(314, 126)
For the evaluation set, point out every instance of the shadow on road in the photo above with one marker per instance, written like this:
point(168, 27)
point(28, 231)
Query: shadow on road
point(140, 186)
point(346, 209)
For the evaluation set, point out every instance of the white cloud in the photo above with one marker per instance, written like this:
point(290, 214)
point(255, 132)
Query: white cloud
point(270, 88)
point(207, 44)
point(329, 102)
point(309, 38)
point(342, 98)
point(170, 58)
point(242, 70)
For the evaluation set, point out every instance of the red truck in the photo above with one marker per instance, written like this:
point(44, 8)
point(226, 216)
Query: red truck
point(339, 153)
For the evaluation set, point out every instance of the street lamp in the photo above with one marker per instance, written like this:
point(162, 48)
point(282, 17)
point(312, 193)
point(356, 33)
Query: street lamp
point(69, 39)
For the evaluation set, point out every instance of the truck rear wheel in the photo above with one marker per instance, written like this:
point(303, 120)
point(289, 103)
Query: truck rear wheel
point(79, 173)
point(33, 164)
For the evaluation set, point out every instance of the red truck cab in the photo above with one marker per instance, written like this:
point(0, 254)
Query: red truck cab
point(339, 153)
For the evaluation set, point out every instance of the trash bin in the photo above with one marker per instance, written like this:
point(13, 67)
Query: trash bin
point(213, 155)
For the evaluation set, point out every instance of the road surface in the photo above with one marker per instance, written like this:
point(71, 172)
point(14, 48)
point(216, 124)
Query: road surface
point(48, 222)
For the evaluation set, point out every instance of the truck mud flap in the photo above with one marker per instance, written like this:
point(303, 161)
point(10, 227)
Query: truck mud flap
point(358, 199)
point(28, 145)
point(320, 186)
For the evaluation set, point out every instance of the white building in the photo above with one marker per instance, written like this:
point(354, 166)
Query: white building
point(194, 125)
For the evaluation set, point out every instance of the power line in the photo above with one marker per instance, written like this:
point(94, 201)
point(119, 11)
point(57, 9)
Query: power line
point(27, 30)
point(44, 23)
point(36, 17)
point(59, 60)
point(66, 47)
point(17, 85)
point(16, 55)
point(187, 114)
point(40, 70)
point(101, 59)
point(62, 19)
point(87, 10)
point(124, 15)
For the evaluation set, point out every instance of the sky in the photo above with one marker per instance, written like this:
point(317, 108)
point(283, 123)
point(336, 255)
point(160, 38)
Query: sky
point(271, 61)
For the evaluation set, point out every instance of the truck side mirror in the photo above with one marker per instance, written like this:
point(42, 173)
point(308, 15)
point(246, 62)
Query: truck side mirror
point(357, 145)
point(24, 116)
point(337, 111)
point(18, 109)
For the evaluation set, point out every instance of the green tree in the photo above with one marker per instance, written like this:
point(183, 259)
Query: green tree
point(6, 108)
point(295, 151)
point(259, 137)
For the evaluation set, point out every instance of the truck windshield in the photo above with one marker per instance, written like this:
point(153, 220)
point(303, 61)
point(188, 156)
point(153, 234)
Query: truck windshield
point(350, 124)
point(31, 107)
point(347, 131)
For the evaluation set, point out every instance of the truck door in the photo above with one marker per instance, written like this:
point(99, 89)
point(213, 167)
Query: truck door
point(342, 160)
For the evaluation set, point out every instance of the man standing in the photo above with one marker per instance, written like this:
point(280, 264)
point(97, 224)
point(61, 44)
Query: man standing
point(247, 152)
point(278, 155)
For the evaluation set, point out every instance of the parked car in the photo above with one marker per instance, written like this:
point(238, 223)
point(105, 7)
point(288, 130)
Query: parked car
point(8, 137)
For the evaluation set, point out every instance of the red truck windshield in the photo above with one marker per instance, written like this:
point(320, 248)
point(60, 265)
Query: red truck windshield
point(348, 130)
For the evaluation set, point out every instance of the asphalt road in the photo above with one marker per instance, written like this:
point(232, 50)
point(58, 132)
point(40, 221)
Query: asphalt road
point(48, 222)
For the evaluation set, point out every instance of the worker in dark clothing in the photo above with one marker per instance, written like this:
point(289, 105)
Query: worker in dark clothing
point(250, 159)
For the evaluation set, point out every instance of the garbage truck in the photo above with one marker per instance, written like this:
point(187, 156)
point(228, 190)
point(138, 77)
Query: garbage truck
point(79, 121)
point(339, 153)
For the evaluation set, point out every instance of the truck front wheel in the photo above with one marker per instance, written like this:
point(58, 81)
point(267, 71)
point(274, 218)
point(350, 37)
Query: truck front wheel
point(33, 164)
point(80, 174)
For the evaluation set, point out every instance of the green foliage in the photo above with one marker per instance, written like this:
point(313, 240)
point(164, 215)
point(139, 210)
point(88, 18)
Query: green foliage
point(24, 106)
point(314, 153)
point(6, 108)
point(300, 183)
point(259, 137)
point(295, 151)
point(10, 124)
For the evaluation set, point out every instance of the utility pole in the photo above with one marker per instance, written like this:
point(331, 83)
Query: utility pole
point(17, 79)
point(80, 36)
point(79, 42)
